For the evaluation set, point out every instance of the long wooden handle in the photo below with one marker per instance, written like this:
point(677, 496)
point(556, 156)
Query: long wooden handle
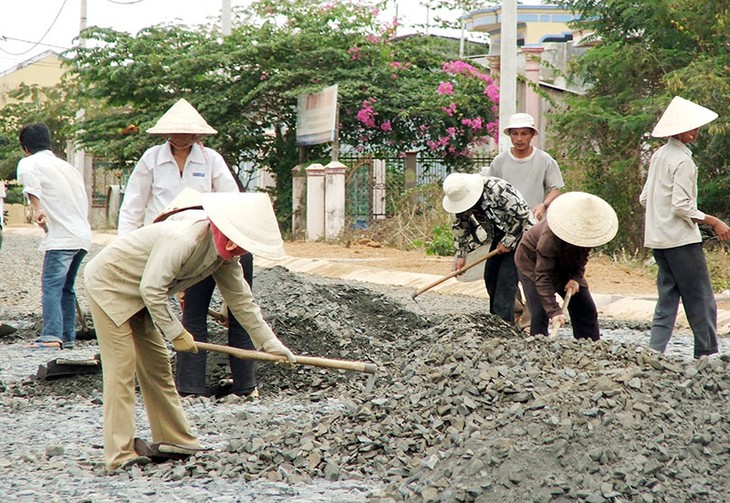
point(315, 361)
point(568, 296)
point(455, 273)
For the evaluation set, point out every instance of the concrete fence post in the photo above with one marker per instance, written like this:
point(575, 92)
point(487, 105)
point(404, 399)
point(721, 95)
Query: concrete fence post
point(378, 189)
point(315, 201)
point(334, 200)
point(299, 183)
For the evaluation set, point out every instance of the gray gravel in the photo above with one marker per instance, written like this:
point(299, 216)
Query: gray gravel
point(462, 409)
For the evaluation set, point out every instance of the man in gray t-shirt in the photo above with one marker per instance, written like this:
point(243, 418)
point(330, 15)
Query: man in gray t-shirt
point(530, 170)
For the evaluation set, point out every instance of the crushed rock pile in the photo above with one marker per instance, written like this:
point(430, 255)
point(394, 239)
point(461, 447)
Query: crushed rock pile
point(462, 408)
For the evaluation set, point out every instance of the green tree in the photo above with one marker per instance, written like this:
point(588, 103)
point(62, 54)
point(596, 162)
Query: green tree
point(395, 94)
point(644, 54)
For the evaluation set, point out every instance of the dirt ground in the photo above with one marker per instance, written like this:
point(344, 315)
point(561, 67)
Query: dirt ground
point(604, 274)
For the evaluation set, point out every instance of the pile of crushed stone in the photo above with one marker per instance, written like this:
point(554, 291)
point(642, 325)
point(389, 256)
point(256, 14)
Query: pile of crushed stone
point(462, 408)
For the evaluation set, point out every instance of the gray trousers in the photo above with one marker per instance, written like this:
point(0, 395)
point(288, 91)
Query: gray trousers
point(683, 275)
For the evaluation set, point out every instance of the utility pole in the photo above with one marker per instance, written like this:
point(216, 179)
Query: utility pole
point(226, 18)
point(508, 69)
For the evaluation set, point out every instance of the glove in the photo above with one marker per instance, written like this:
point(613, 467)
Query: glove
point(275, 347)
point(184, 343)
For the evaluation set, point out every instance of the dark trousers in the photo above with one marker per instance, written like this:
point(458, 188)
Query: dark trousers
point(683, 275)
point(582, 311)
point(190, 368)
point(500, 278)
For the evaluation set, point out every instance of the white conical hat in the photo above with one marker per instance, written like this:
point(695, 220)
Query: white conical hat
point(247, 219)
point(462, 191)
point(187, 199)
point(181, 118)
point(582, 219)
point(680, 116)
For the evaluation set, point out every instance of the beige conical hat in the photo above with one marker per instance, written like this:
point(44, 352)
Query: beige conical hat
point(247, 219)
point(582, 219)
point(462, 191)
point(187, 199)
point(181, 118)
point(680, 116)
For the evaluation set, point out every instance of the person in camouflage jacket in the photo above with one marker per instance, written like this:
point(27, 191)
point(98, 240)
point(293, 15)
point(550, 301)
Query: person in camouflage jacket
point(484, 209)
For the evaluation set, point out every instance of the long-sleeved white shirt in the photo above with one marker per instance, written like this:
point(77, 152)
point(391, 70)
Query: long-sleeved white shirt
point(670, 198)
point(156, 180)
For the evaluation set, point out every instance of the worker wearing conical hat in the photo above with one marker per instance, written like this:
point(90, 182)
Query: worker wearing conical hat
point(671, 229)
point(552, 256)
point(129, 283)
point(164, 173)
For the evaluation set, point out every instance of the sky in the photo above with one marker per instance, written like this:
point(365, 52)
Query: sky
point(29, 27)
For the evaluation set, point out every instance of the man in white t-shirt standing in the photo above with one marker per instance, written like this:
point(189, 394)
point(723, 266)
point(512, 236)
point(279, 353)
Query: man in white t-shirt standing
point(530, 170)
point(57, 195)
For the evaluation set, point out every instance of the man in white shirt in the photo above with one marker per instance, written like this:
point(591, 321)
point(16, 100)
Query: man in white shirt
point(670, 198)
point(57, 195)
point(161, 174)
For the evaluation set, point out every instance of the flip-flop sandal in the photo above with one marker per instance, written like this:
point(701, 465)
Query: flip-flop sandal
point(43, 345)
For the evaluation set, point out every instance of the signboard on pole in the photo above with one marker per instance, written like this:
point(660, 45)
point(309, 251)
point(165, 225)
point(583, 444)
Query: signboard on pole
point(317, 117)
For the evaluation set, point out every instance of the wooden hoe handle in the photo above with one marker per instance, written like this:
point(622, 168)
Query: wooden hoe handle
point(568, 295)
point(314, 361)
point(455, 273)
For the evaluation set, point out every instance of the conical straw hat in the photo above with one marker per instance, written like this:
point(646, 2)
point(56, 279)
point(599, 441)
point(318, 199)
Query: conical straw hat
point(187, 199)
point(247, 219)
point(680, 116)
point(582, 219)
point(181, 118)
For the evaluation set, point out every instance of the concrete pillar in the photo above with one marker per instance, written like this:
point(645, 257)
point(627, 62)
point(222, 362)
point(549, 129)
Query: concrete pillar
point(508, 71)
point(315, 202)
point(299, 183)
point(493, 66)
point(411, 172)
point(334, 200)
point(532, 99)
point(378, 189)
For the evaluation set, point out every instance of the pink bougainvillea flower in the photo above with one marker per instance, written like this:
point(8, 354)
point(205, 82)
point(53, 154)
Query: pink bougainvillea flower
point(386, 126)
point(354, 53)
point(446, 88)
point(450, 110)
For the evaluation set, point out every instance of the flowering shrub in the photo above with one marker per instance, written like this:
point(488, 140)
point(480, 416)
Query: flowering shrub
point(450, 119)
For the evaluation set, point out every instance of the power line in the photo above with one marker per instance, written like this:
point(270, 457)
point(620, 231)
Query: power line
point(132, 2)
point(36, 44)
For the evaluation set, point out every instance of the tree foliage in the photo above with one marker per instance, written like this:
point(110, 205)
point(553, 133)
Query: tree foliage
point(395, 94)
point(645, 53)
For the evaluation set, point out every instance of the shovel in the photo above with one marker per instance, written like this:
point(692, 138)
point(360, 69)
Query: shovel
point(556, 327)
point(86, 333)
point(315, 361)
point(455, 273)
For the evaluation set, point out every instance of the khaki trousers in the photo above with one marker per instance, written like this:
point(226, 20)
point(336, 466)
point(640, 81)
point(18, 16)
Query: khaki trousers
point(136, 347)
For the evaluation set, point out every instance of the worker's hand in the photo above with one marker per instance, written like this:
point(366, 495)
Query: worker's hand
point(275, 347)
point(184, 343)
point(459, 262)
point(572, 285)
point(722, 230)
point(41, 219)
point(557, 320)
point(503, 249)
point(539, 211)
